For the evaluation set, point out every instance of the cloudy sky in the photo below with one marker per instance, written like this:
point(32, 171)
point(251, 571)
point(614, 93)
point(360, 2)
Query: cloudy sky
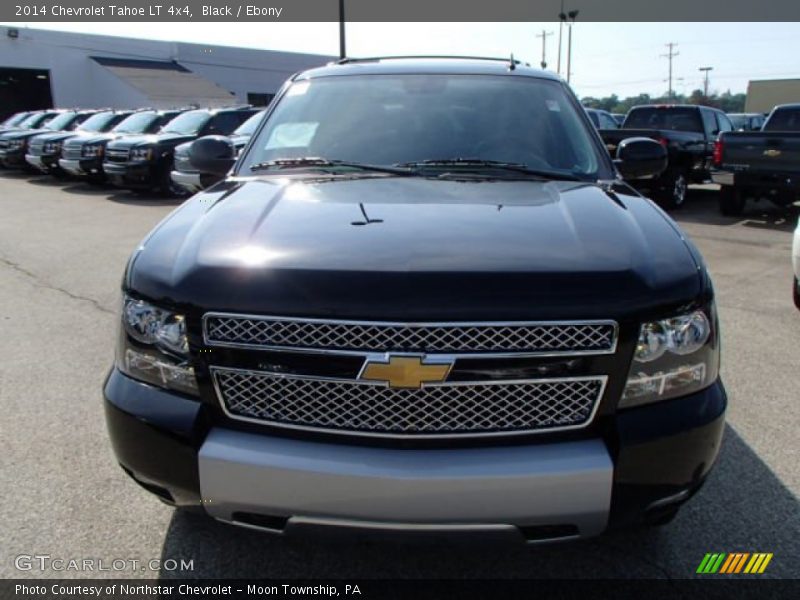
point(622, 58)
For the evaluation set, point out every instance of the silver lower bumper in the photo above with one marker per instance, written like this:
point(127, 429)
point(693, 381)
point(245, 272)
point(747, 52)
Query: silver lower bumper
point(73, 167)
point(722, 177)
point(567, 483)
point(188, 181)
point(35, 161)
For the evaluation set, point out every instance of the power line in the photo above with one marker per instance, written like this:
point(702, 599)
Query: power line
point(669, 56)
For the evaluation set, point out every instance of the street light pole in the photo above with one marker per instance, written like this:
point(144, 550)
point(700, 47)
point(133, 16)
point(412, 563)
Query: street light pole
point(573, 14)
point(705, 82)
point(561, 18)
point(342, 51)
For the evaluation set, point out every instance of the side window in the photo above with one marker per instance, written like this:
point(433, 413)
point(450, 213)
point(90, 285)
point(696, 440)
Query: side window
point(709, 123)
point(223, 123)
point(607, 122)
point(724, 123)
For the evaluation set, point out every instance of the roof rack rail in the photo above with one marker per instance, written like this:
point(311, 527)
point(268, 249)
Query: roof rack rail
point(346, 60)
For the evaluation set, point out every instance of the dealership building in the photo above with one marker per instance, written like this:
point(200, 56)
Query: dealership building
point(42, 69)
point(764, 94)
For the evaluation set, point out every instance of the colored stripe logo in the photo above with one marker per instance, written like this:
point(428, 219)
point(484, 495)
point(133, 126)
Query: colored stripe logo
point(734, 563)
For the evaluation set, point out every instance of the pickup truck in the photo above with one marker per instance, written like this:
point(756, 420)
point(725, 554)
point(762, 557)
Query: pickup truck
point(687, 132)
point(760, 164)
point(423, 300)
point(143, 163)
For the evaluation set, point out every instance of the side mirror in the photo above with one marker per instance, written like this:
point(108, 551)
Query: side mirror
point(640, 157)
point(213, 154)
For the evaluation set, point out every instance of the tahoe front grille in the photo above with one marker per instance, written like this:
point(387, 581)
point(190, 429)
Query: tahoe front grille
point(435, 410)
point(117, 155)
point(451, 338)
point(72, 151)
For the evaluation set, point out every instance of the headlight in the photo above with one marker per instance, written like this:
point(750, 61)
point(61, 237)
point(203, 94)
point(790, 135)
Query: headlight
point(92, 150)
point(141, 154)
point(51, 147)
point(673, 357)
point(154, 347)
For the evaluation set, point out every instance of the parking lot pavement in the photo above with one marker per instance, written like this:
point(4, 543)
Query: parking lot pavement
point(63, 247)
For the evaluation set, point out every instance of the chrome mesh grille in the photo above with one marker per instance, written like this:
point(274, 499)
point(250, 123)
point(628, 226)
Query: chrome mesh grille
point(72, 151)
point(117, 154)
point(444, 409)
point(385, 337)
point(36, 147)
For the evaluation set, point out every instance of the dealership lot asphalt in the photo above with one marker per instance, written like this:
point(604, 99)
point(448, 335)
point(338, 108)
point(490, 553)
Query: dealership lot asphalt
point(63, 247)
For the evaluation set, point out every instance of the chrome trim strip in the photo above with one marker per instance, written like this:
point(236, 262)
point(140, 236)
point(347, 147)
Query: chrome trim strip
point(420, 324)
point(603, 379)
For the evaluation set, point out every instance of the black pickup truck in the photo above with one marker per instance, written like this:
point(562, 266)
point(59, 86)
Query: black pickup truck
point(687, 132)
point(760, 164)
point(423, 301)
point(144, 163)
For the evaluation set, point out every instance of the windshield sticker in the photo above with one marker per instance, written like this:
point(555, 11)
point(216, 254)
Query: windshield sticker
point(292, 135)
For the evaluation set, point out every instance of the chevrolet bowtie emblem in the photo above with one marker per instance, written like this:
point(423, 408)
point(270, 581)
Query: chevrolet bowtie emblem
point(772, 153)
point(404, 371)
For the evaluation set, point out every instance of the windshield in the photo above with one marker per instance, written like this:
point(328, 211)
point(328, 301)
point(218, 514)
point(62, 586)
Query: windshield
point(136, 123)
point(249, 126)
point(670, 118)
point(33, 121)
point(409, 118)
point(15, 119)
point(738, 121)
point(98, 122)
point(784, 119)
point(188, 123)
point(61, 121)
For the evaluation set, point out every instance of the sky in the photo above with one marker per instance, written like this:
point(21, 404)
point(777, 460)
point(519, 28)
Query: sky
point(621, 58)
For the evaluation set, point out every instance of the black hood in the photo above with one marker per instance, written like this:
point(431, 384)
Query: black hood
point(22, 134)
point(55, 136)
point(415, 248)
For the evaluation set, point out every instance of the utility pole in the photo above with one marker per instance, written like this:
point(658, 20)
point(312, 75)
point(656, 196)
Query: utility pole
point(544, 35)
point(705, 81)
point(342, 51)
point(670, 55)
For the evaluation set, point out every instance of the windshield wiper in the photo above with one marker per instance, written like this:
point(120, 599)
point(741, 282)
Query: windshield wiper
point(483, 164)
point(326, 163)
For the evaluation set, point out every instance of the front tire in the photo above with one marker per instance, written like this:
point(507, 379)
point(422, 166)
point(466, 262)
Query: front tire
point(731, 201)
point(674, 190)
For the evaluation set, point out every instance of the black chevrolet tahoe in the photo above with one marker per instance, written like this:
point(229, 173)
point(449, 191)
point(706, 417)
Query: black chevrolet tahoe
point(423, 300)
point(144, 163)
point(44, 150)
point(14, 142)
point(187, 176)
point(83, 156)
point(688, 133)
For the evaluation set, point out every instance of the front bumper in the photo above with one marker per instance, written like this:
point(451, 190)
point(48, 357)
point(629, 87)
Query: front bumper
point(13, 158)
point(42, 162)
point(131, 175)
point(656, 457)
point(191, 182)
point(83, 167)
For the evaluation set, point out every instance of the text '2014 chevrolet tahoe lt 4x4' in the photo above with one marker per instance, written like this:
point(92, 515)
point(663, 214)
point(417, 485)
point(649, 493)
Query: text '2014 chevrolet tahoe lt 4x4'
point(423, 299)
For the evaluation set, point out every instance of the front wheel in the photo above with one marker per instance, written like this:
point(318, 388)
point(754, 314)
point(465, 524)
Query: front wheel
point(674, 190)
point(731, 201)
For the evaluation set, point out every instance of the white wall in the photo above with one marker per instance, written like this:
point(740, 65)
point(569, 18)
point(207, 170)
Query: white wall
point(77, 80)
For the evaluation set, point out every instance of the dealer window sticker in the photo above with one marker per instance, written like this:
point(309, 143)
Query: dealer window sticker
point(292, 135)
